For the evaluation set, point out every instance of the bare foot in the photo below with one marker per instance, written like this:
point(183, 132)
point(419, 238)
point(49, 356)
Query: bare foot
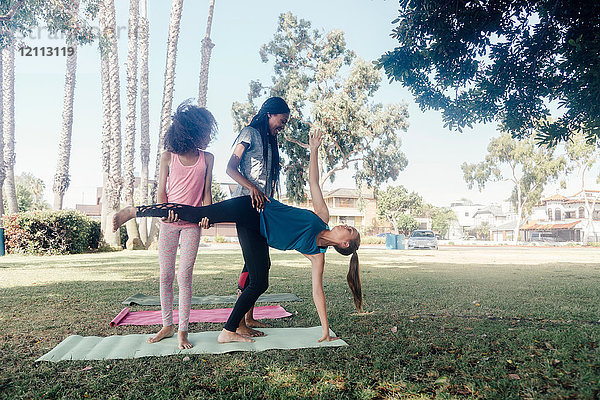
point(247, 331)
point(165, 332)
point(123, 216)
point(227, 336)
point(252, 323)
point(182, 338)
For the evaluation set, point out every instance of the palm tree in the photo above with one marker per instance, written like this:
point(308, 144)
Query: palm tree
point(106, 119)
point(167, 101)
point(144, 115)
point(112, 113)
point(61, 177)
point(8, 89)
point(1, 144)
point(207, 46)
point(129, 178)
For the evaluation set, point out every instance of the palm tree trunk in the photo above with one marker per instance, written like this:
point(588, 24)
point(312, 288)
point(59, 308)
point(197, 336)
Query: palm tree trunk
point(106, 113)
point(207, 46)
point(144, 116)
point(167, 101)
point(61, 176)
point(8, 89)
point(2, 170)
point(113, 183)
point(134, 241)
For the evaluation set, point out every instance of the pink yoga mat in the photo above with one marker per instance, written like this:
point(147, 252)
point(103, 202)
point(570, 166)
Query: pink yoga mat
point(127, 317)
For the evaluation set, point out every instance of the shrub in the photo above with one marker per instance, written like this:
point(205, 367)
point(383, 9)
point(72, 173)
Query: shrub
point(220, 239)
point(50, 232)
point(372, 240)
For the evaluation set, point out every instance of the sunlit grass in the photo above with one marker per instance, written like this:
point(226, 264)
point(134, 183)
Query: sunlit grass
point(454, 323)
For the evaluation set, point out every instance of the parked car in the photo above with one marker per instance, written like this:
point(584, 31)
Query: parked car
point(422, 239)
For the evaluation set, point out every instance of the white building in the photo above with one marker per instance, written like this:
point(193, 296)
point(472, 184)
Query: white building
point(560, 218)
point(499, 217)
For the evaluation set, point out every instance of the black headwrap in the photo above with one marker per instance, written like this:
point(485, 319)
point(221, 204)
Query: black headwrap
point(273, 105)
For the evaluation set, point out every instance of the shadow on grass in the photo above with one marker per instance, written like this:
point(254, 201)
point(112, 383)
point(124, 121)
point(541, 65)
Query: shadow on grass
point(431, 331)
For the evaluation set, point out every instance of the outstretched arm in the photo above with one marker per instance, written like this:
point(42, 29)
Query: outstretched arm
point(313, 177)
point(318, 264)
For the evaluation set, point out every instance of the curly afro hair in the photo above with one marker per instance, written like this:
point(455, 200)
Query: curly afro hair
point(192, 127)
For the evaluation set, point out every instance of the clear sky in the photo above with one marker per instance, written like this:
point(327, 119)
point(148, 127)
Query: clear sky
point(239, 29)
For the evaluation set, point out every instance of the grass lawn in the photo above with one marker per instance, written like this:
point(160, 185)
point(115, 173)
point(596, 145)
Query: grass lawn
point(455, 323)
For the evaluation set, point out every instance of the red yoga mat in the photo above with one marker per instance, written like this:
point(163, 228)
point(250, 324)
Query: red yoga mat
point(127, 317)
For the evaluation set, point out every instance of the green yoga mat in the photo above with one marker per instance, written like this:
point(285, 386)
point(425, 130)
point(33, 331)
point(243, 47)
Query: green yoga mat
point(141, 299)
point(134, 346)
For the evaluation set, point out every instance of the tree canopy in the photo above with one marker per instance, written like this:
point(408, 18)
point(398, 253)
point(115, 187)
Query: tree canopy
point(397, 206)
point(328, 86)
point(528, 167)
point(21, 16)
point(514, 61)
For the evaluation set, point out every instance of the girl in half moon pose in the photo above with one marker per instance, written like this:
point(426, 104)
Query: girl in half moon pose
point(285, 228)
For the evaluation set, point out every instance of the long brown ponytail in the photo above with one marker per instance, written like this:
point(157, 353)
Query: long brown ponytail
point(353, 277)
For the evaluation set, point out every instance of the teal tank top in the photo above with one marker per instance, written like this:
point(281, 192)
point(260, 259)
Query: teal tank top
point(291, 228)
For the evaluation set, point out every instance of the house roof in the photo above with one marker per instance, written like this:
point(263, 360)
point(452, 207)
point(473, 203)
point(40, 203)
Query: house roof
point(349, 193)
point(507, 226)
point(575, 201)
point(555, 197)
point(91, 210)
point(494, 210)
point(538, 226)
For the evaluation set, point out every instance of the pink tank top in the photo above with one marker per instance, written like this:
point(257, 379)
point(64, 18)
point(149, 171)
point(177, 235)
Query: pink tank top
point(185, 184)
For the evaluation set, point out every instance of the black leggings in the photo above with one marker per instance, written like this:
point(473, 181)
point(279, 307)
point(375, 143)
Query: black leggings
point(255, 248)
point(238, 210)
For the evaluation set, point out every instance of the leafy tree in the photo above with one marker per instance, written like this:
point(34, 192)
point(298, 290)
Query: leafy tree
point(326, 85)
point(406, 224)
point(508, 60)
point(30, 193)
point(583, 156)
point(480, 232)
point(21, 16)
point(396, 205)
point(530, 168)
point(441, 218)
point(217, 192)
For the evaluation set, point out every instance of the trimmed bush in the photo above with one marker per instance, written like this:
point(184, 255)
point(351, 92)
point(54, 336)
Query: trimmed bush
point(50, 232)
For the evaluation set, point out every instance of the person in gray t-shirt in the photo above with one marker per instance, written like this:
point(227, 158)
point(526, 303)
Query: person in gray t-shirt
point(254, 165)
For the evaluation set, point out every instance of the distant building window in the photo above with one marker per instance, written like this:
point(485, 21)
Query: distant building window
point(467, 214)
point(343, 202)
point(557, 215)
point(581, 212)
point(549, 214)
point(569, 214)
point(596, 215)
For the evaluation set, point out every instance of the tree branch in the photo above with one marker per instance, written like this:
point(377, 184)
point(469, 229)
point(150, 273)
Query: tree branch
point(290, 139)
point(12, 10)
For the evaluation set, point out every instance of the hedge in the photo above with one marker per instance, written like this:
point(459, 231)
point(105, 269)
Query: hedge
point(50, 232)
